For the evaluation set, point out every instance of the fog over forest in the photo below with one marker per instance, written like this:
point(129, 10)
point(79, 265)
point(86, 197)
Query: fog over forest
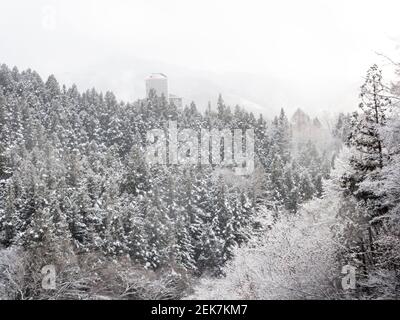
point(182, 150)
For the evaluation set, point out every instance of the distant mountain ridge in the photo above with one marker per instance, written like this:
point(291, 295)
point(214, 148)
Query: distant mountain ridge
point(264, 94)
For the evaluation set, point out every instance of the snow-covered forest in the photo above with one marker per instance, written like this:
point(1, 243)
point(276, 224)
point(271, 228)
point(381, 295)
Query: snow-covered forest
point(77, 192)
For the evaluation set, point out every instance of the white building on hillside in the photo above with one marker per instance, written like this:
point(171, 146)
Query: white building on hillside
point(159, 83)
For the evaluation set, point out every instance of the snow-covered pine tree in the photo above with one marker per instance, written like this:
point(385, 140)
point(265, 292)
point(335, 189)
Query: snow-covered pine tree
point(361, 184)
point(365, 135)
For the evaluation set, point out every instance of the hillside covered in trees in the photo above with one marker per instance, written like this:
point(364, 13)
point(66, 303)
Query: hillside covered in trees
point(77, 192)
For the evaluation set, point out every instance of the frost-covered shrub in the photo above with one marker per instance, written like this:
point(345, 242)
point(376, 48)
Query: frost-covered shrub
point(90, 276)
point(12, 273)
point(295, 260)
point(123, 280)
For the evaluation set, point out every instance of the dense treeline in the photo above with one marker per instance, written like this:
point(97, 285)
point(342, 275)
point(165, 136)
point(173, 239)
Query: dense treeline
point(353, 226)
point(74, 180)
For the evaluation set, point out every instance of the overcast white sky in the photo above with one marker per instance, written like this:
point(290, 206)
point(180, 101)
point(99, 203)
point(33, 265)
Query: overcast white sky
point(321, 48)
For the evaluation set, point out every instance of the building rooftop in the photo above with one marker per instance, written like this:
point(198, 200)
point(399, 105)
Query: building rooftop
point(156, 76)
